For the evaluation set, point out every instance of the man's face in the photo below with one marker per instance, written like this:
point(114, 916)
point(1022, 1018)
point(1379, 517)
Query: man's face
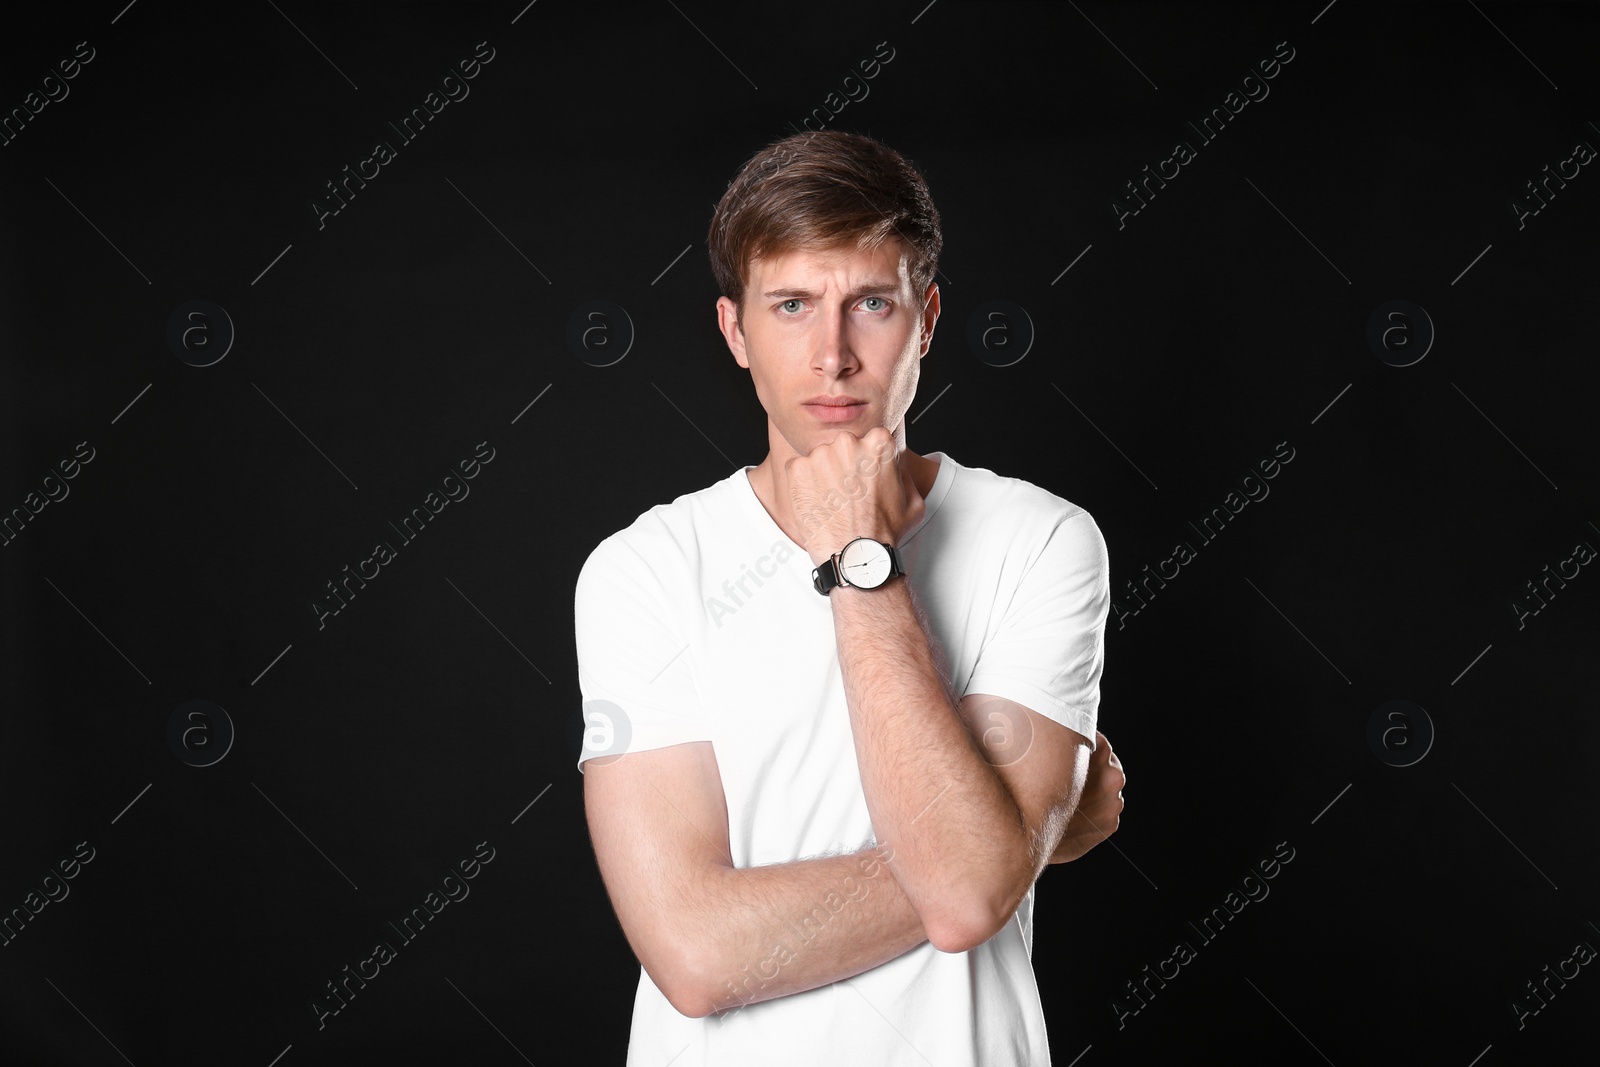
point(832, 323)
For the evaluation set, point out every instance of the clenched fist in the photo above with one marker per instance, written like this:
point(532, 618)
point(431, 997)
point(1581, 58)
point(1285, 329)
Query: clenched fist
point(853, 487)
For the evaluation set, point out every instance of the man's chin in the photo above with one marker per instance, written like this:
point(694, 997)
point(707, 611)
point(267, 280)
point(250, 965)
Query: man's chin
point(814, 436)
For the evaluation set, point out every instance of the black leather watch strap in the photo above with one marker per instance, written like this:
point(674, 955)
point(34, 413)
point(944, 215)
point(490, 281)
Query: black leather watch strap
point(825, 579)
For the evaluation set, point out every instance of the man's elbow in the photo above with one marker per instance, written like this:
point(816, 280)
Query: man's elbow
point(961, 936)
point(977, 918)
point(689, 1001)
point(964, 928)
point(688, 986)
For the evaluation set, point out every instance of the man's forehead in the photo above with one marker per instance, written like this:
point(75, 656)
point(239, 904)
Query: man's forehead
point(888, 263)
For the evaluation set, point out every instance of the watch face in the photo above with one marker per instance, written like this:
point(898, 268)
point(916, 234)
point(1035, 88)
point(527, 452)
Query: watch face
point(864, 563)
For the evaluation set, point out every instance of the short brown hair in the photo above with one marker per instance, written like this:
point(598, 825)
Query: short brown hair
point(817, 191)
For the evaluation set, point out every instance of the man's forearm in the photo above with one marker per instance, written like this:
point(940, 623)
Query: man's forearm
point(927, 785)
point(789, 927)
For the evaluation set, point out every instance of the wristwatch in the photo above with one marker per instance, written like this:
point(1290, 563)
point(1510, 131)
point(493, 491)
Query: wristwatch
point(863, 564)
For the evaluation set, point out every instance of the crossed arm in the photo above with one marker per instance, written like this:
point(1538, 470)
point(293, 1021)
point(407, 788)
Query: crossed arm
point(970, 801)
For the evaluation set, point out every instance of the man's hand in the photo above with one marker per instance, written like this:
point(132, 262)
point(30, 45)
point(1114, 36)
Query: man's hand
point(852, 487)
point(1100, 810)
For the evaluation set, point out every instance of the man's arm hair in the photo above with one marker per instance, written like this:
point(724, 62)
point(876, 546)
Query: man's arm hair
point(973, 826)
point(713, 936)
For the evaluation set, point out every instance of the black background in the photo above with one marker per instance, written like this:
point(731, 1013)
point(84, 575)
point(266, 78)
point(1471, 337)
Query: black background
point(1227, 316)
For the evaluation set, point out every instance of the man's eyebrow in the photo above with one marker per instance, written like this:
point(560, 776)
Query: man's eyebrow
point(872, 288)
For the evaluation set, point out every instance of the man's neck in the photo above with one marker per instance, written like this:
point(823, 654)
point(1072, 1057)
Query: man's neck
point(773, 491)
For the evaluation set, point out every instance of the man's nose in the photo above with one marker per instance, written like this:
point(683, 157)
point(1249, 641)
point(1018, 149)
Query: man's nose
point(833, 354)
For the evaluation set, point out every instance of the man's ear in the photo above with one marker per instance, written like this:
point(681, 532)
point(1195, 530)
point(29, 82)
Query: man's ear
point(930, 316)
point(732, 332)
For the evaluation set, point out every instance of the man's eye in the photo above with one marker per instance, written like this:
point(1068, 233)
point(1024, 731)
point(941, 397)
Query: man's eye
point(881, 303)
point(786, 305)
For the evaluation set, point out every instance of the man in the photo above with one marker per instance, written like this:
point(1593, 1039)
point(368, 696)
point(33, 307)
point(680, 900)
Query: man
point(819, 794)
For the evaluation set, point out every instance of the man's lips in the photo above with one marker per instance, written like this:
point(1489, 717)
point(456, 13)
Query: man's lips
point(835, 409)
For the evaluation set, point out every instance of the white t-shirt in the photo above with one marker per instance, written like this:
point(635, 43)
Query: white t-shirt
point(699, 622)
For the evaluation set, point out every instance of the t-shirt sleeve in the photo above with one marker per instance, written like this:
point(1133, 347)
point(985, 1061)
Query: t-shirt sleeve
point(1049, 650)
point(634, 664)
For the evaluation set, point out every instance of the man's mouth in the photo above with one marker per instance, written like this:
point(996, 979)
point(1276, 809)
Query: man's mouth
point(835, 408)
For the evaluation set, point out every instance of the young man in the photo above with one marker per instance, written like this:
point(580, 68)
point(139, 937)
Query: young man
point(843, 702)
